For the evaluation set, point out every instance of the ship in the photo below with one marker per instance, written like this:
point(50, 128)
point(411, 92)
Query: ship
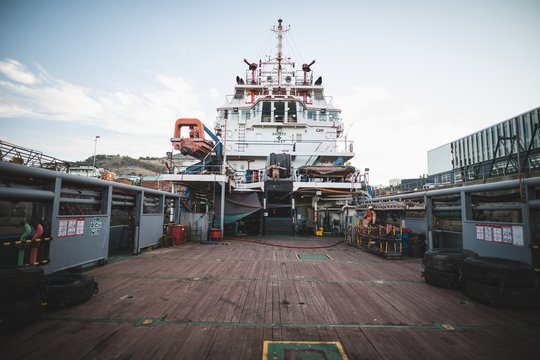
point(278, 116)
point(289, 296)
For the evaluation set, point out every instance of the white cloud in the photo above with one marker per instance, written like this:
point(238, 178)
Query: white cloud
point(41, 96)
point(214, 93)
point(13, 111)
point(17, 72)
point(393, 134)
point(389, 133)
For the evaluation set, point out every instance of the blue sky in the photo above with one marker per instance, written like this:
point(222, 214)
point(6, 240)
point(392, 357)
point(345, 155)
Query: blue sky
point(408, 75)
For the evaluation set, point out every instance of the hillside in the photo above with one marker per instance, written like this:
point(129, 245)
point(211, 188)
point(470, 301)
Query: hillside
point(125, 165)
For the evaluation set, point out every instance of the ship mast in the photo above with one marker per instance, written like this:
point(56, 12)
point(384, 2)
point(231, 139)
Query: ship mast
point(279, 57)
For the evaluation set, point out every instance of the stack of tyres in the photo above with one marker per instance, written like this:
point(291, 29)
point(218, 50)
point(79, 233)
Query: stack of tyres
point(21, 292)
point(416, 246)
point(442, 267)
point(501, 282)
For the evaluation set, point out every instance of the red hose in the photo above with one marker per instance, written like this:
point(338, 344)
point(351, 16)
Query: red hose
point(290, 246)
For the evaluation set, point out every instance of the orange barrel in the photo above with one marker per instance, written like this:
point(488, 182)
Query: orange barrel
point(215, 234)
point(178, 234)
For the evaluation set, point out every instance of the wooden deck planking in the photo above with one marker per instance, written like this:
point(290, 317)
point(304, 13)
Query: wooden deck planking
point(224, 347)
point(198, 342)
point(252, 310)
point(131, 302)
point(141, 342)
point(358, 346)
point(252, 344)
point(234, 301)
point(219, 302)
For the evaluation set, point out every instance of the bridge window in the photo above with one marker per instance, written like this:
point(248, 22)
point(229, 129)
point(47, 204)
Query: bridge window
point(333, 116)
point(322, 115)
point(291, 110)
point(279, 111)
point(266, 112)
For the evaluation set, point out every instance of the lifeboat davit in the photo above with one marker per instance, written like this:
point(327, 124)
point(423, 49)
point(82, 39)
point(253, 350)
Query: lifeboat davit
point(195, 145)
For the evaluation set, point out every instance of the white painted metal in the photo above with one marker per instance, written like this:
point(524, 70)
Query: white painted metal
point(280, 109)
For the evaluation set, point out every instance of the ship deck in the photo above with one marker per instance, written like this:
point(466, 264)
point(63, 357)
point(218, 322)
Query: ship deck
point(223, 301)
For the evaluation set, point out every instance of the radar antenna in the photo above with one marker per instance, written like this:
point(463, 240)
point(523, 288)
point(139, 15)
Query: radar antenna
point(253, 68)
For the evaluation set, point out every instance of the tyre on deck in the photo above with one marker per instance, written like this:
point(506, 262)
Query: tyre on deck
point(65, 290)
point(443, 266)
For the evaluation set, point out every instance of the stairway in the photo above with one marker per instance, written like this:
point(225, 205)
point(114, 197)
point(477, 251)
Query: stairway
point(241, 136)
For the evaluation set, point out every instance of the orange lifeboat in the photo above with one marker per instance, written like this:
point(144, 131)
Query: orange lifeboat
point(195, 145)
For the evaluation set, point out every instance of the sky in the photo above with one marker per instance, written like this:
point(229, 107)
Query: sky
point(409, 76)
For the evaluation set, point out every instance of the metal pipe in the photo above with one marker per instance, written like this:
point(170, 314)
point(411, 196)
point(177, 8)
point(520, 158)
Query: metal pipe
point(123, 197)
point(485, 187)
point(446, 208)
point(80, 201)
point(535, 181)
point(31, 172)
point(416, 195)
point(11, 193)
point(534, 204)
point(497, 207)
point(223, 184)
point(123, 203)
point(80, 192)
point(136, 244)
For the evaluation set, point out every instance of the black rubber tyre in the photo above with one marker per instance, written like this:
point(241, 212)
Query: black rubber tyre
point(20, 283)
point(449, 260)
point(444, 279)
point(499, 272)
point(416, 251)
point(15, 315)
point(273, 160)
point(69, 289)
point(512, 298)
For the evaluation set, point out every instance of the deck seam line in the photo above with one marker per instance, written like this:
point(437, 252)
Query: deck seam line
point(434, 326)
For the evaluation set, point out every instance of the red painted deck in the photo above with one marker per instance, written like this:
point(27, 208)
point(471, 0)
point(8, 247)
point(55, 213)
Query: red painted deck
point(223, 301)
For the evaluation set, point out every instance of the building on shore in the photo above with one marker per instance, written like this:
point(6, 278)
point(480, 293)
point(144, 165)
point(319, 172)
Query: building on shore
point(511, 147)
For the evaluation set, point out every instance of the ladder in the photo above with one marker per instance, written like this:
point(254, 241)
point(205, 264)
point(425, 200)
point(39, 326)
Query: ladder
point(241, 136)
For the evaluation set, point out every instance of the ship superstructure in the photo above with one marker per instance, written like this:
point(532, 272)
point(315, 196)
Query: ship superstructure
point(280, 116)
point(278, 107)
